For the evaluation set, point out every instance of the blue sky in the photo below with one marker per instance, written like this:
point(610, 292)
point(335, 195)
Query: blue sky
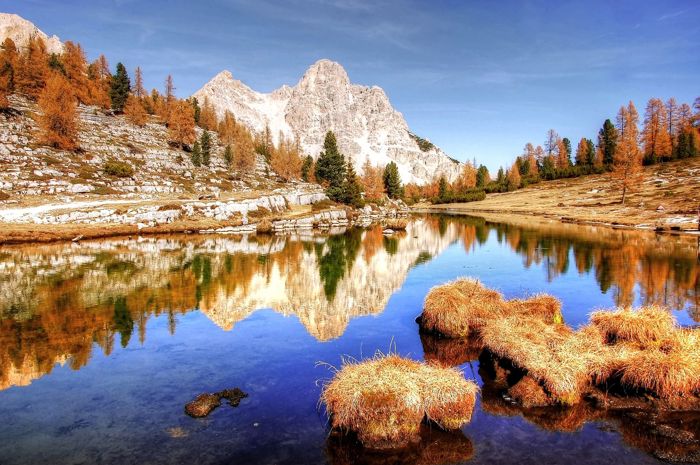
point(478, 78)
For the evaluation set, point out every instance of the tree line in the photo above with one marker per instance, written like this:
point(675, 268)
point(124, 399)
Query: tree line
point(670, 131)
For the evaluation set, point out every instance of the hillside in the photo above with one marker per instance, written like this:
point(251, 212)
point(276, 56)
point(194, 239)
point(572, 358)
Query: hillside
point(365, 123)
point(668, 198)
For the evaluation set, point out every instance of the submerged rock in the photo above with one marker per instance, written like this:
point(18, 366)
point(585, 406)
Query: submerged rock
point(204, 403)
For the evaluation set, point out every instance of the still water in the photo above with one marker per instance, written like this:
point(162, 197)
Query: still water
point(102, 343)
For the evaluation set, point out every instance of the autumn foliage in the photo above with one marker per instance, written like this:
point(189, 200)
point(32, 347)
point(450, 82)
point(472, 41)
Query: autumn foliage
point(57, 118)
point(627, 161)
point(181, 123)
point(134, 111)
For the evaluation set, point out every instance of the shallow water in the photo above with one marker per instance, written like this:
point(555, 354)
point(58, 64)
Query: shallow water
point(103, 342)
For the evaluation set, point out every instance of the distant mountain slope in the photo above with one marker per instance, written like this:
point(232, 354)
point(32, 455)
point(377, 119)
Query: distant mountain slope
point(365, 123)
point(20, 31)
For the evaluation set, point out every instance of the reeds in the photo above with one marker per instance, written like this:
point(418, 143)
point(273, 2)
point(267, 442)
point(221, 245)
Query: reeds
point(385, 399)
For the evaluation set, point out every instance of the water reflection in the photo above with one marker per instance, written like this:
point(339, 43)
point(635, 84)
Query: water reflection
point(59, 302)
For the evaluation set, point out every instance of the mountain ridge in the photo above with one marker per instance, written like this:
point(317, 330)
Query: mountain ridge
point(365, 123)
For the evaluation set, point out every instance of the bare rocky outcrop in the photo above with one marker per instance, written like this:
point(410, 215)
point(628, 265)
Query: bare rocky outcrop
point(364, 121)
point(20, 31)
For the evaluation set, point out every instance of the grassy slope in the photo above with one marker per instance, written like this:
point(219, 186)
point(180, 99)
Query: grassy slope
point(674, 186)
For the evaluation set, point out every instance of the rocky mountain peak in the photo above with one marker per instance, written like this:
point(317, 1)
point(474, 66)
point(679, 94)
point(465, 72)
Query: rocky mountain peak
point(324, 73)
point(20, 31)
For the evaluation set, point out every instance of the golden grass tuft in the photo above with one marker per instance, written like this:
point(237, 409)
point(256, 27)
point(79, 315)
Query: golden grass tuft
point(543, 307)
point(385, 399)
point(669, 369)
point(459, 308)
point(643, 326)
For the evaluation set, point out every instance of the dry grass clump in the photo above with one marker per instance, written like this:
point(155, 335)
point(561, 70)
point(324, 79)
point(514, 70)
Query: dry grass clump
point(459, 308)
point(669, 369)
point(397, 224)
point(644, 326)
point(561, 360)
point(385, 399)
point(543, 307)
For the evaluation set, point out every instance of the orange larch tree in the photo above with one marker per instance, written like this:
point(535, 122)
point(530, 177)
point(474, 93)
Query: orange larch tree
point(467, 178)
point(134, 111)
point(75, 66)
point(8, 65)
point(372, 181)
point(627, 159)
point(181, 123)
point(207, 116)
point(99, 79)
point(33, 68)
point(57, 118)
point(138, 90)
point(285, 159)
point(656, 139)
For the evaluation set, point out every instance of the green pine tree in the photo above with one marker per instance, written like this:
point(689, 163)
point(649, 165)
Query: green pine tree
point(196, 154)
point(330, 168)
point(392, 181)
point(197, 109)
point(442, 188)
point(205, 143)
point(119, 88)
point(482, 176)
point(228, 155)
point(306, 168)
point(352, 191)
point(501, 178)
point(607, 141)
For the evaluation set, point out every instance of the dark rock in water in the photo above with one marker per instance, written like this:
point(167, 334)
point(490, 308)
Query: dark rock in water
point(202, 405)
point(233, 396)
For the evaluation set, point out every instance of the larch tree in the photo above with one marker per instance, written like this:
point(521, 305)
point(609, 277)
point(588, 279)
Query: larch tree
point(530, 157)
point(627, 161)
point(75, 67)
point(513, 179)
point(181, 124)
point(9, 58)
point(138, 90)
point(119, 88)
point(372, 181)
point(467, 177)
point(656, 139)
point(134, 111)
point(168, 101)
point(33, 68)
point(244, 158)
point(99, 83)
point(562, 155)
point(57, 118)
point(285, 159)
point(672, 121)
point(392, 181)
point(330, 168)
point(582, 152)
point(207, 116)
point(551, 143)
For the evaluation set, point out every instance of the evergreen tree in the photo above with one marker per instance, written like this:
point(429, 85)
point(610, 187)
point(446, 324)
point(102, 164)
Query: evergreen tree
point(501, 178)
point(205, 143)
point(307, 168)
point(228, 155)
point(590, 156)
point(607, 140)
point(352, 191)
point(196, 154)
point(392, 181)
point(482, 176)
point(567, 146)
point(119, 89)
point(330, 168)
point(442, 188)
point(197, 109)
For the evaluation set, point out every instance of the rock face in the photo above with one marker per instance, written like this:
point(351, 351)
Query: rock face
point(20, 31)
point(362, 118)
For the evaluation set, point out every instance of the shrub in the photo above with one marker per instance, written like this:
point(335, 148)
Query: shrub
point(118, 169)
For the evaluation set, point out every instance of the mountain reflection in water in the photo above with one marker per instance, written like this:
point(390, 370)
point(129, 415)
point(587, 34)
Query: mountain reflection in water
point(57, 301)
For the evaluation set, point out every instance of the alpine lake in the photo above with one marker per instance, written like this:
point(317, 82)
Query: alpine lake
point(102, 343)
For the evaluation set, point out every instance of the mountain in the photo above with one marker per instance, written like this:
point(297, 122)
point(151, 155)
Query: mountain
point(362, 118)
point(20, 31)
